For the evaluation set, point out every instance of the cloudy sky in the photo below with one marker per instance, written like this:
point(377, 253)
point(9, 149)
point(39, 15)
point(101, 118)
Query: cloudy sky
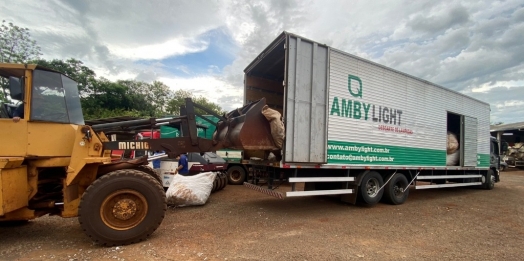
point(474, 47)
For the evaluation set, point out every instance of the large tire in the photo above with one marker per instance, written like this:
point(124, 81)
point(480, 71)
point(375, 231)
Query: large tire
point(369, 193)
point(150, 171)
point(236, 175)
point(396, 191)
point(122, 207)
point(489, 180)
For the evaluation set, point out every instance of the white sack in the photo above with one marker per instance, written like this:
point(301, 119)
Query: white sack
point(453, 158)
point(190, 190)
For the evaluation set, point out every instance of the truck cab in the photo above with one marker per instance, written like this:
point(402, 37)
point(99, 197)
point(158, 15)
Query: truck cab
point(494, 163)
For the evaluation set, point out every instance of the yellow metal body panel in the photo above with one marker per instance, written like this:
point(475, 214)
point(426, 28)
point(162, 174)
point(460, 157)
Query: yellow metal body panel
point(21, 214)
point(13, 137)
point(50, 139)
point(13, 185)
point(10, 162)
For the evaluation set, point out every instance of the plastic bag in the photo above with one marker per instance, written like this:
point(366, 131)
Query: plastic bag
point(190, 190)
point(277, 126)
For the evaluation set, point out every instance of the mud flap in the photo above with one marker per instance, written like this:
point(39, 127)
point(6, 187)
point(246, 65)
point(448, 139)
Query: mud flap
point(350, 198)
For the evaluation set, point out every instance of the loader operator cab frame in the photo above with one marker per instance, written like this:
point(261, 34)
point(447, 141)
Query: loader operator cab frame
point(48, 96)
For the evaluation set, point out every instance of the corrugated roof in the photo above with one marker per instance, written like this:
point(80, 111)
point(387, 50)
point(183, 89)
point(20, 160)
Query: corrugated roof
point(505, 127)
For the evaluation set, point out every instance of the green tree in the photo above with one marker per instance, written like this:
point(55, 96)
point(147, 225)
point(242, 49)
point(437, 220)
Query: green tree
point(76, 70)
point(156, 95)
point(16, 46)
point(173, 105)
point(114, 96)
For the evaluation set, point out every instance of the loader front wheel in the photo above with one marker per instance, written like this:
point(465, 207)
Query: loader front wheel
point(122, 207)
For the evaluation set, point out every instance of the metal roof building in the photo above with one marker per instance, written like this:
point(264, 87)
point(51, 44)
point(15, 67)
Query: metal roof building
point(511, 133)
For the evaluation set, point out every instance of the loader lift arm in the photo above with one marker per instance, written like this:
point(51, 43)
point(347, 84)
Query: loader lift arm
point(188, 142)
point(245, 128)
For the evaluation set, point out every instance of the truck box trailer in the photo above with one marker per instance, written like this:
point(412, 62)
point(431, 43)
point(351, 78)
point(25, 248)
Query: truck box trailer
point(362, 130)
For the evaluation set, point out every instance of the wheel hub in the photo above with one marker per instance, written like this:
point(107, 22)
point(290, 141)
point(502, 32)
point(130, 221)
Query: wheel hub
point(372, 187)
point(235, 175)
point(398, 190)
point(124, 209)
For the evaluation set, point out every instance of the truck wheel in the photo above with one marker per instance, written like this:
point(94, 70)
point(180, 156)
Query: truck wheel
point(122, 207)
point(396, 191)
point(369, 188)
point(150, 171)
point(236, 175)
point(488, 180)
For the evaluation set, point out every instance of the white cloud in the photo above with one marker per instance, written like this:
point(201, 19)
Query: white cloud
point(491, 85)
point(177, 46)
point(214, 89)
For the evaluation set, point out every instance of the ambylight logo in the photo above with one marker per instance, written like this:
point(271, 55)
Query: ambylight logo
point(356, 109)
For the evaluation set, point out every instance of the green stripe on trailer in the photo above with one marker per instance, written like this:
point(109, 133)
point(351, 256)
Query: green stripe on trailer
point(376, 154)
point(483, 160)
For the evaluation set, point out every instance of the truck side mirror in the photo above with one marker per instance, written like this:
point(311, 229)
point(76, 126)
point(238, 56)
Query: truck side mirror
point(16, 88)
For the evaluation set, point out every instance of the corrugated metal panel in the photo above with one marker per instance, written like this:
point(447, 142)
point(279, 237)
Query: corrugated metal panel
point(306, 96)
point(470, 141)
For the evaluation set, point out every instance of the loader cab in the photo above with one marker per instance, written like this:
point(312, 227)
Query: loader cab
point(51, 106)
point(47, 95)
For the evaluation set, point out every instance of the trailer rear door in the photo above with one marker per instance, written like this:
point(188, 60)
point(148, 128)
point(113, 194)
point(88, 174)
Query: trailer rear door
point(470, 141)
point(306, 92)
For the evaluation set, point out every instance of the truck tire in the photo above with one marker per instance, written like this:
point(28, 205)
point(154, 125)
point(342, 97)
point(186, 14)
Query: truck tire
point(396, 191)
point(236, 175)
point(369, 193)
point(489, 180)
point(122, 207)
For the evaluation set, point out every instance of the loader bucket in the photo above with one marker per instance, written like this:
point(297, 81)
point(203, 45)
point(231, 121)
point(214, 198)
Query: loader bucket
point(246, 128)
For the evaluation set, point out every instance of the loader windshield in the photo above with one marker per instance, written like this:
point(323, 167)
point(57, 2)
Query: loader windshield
point(55, 98)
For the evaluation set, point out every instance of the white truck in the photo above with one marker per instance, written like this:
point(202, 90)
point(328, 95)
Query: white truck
point(356, 128)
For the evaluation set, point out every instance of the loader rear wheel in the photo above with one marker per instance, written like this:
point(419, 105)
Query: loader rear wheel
point(369, 192)
point(236, 175)
point(396, 191)
point(122, 207)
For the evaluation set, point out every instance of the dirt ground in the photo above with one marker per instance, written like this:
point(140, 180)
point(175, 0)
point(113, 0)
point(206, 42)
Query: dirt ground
point(241, 224)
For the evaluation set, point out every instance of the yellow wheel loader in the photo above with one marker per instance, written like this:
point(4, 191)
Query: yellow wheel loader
point(52, 163)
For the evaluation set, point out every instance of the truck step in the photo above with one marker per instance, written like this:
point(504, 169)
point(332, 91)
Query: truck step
point(448, 185)
point(318, 192)
point(264, 190)
point(450, 176)
point(321, 179)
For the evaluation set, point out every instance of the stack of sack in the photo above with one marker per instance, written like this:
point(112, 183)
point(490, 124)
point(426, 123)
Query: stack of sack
point(452, 150)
